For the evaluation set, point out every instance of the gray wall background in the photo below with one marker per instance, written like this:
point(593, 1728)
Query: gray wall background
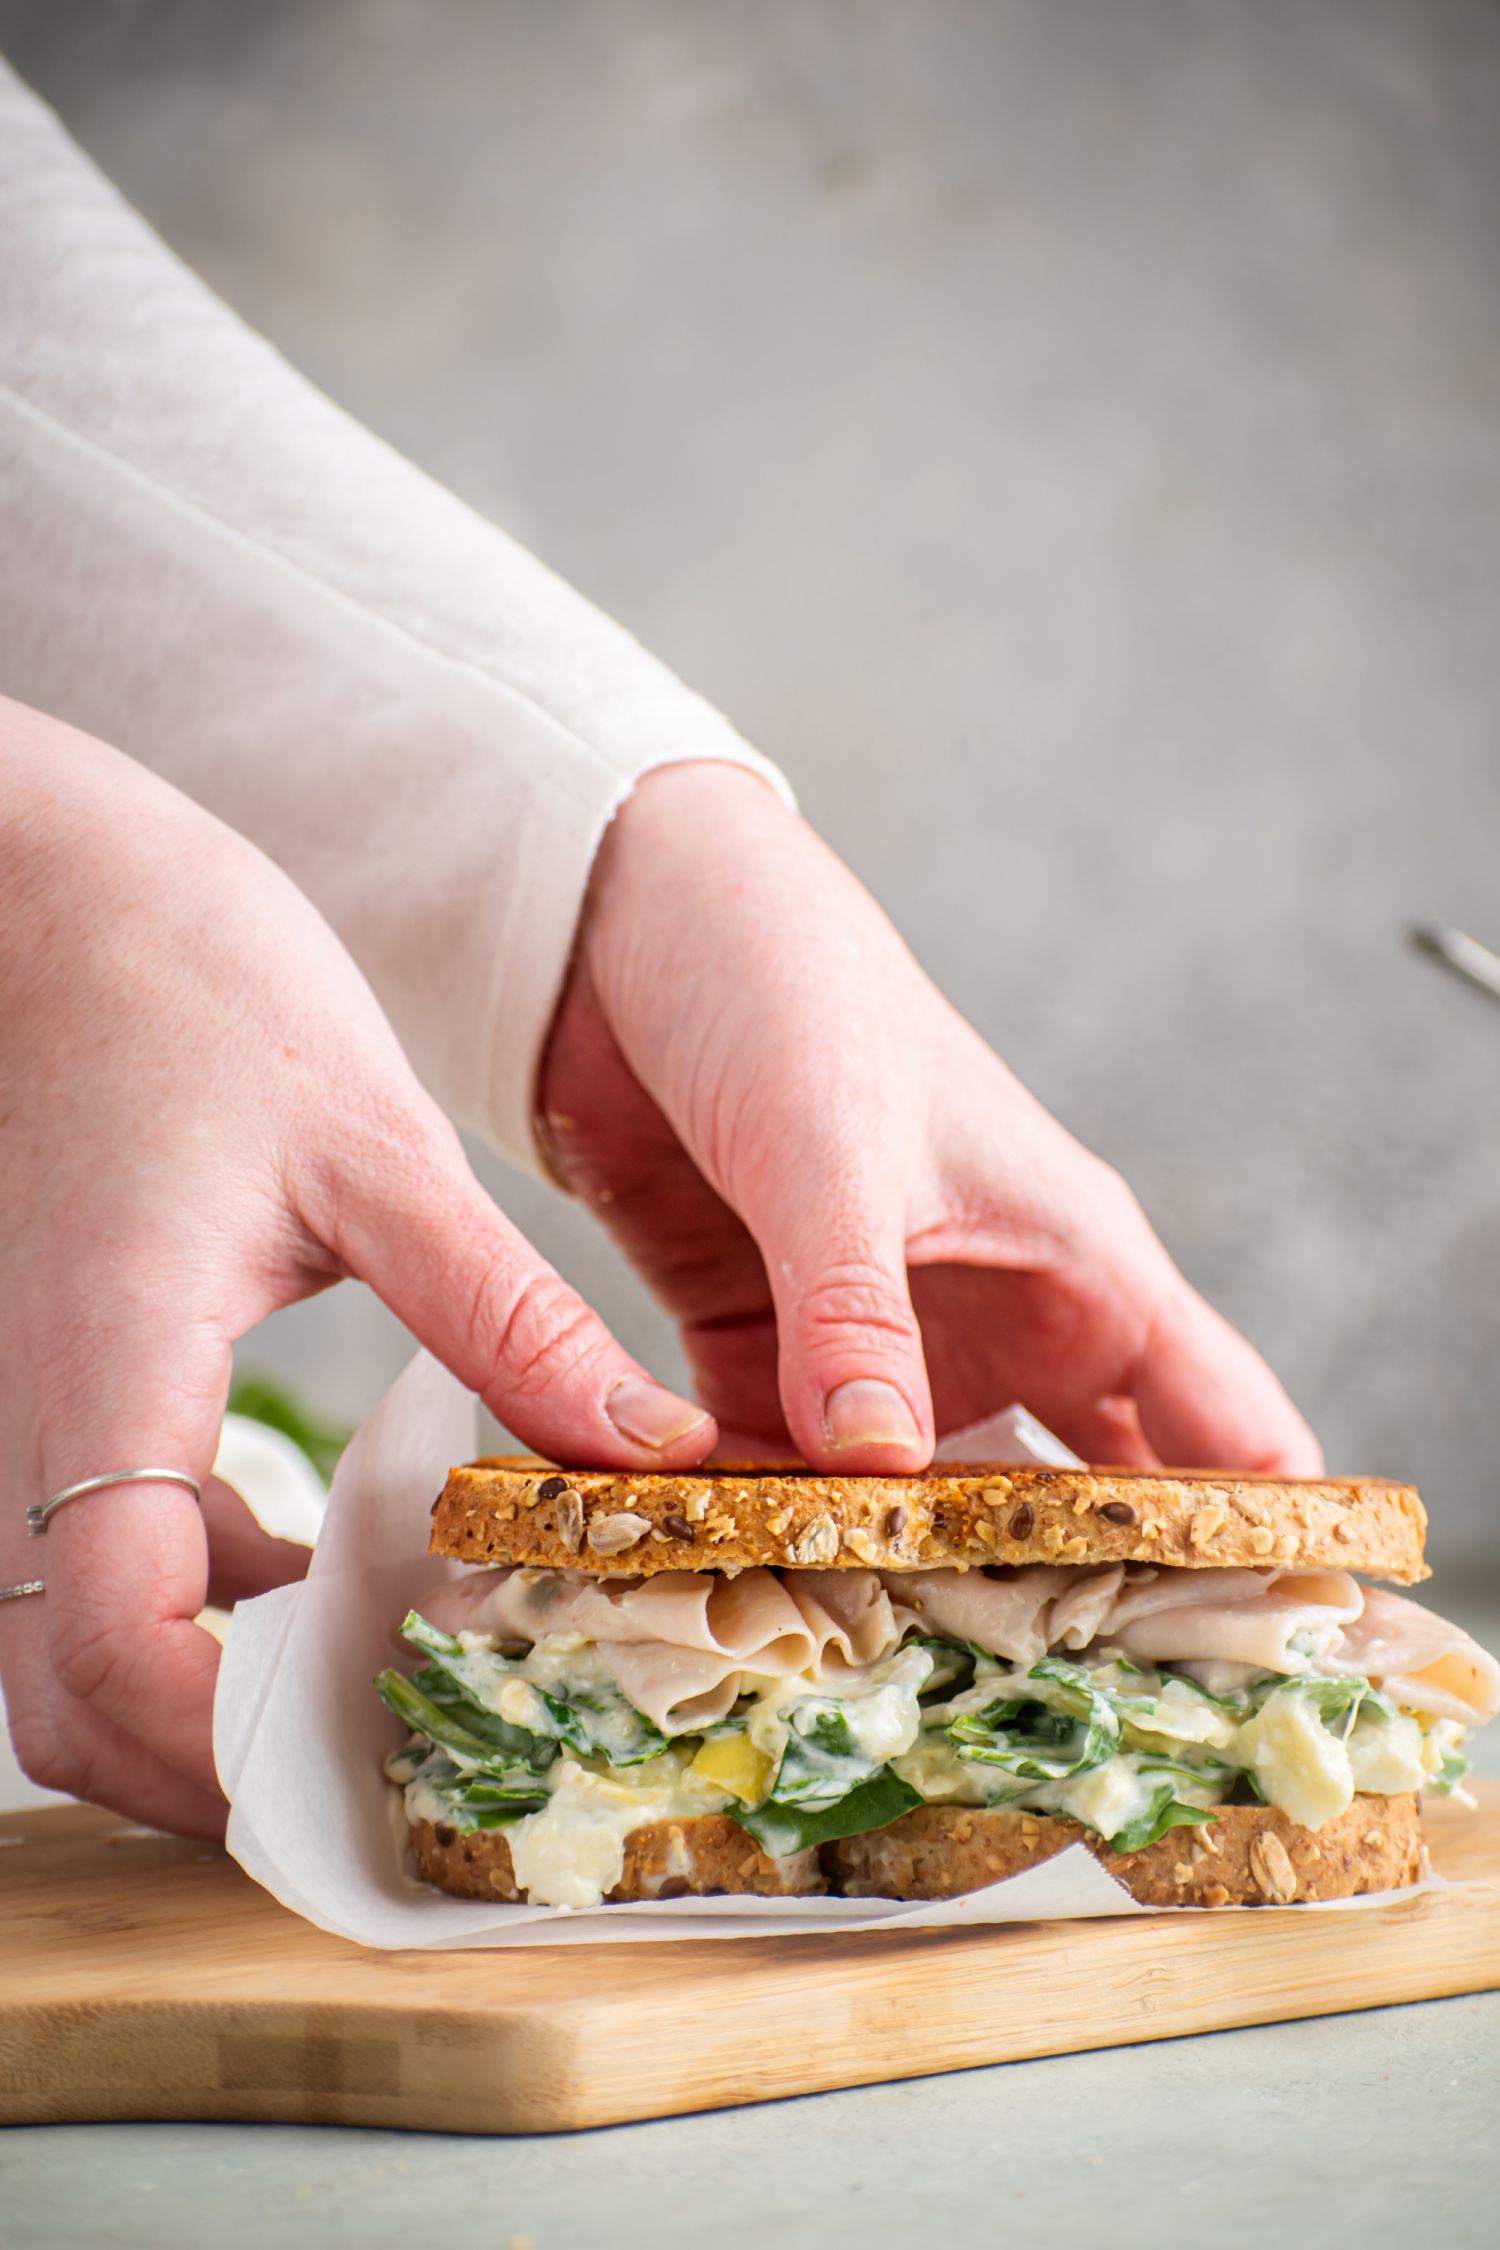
point(1066, 433)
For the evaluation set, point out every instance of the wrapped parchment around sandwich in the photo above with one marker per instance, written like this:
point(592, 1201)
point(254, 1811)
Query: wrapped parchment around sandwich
point(787, 1683)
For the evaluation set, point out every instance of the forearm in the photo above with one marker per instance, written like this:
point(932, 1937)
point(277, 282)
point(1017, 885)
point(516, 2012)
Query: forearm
point(204, 560)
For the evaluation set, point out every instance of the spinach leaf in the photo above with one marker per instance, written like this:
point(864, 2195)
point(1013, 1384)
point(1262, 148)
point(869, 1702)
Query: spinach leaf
point(733, 1722)
point(952, 1665)
point(1164, 1812)
point(1346, 1699)
point(1449, 1774)
point(598, 1722)
point(473, 1738)
point(1034, 1741)
point(404, 1765)
point(594, 1722)
point(480, 1804)
point(513, 1745)
point(1205, 1768)
point(781, 1829)
point(1237, 1703)
point(822, 1760)
point(429, 1638)
point(468, 1800)
point(1077, 1690)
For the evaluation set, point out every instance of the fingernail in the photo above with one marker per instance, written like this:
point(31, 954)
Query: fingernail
point(866, 1412)
point(646, 1414)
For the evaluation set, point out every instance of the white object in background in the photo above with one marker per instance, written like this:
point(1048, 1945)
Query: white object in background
point(1014, 1435)
point(274, 1478)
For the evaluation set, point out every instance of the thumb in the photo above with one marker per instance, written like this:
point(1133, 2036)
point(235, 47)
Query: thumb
point(408, 1217)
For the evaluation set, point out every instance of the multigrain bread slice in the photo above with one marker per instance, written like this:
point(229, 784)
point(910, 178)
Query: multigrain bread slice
point(1250, 1855)
point(666, 1859)
point(615, 1521)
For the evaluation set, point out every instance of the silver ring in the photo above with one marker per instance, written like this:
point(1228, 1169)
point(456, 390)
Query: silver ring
point(27, 1586)
point(36, 1516)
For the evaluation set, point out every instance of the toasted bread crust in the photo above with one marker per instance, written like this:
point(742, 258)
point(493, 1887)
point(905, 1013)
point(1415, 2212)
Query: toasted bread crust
point(1251, 1855)
point(664, 1859)
point(619, 1522)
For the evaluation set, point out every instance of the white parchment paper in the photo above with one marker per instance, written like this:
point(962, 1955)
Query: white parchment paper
point(299, 1733)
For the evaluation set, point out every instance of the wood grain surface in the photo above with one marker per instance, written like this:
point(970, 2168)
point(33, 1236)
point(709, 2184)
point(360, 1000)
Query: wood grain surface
point(142, 1976)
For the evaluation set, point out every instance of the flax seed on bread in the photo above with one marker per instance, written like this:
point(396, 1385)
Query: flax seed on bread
point(510, 1510)
point(665, 1859)
point(1249, 1855)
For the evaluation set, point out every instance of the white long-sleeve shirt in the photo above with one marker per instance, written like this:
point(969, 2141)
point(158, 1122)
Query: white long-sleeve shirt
point(208, 564)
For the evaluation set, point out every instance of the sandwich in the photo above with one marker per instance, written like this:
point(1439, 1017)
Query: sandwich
point(784, 1684)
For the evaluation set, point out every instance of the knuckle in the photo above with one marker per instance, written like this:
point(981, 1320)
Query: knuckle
point(857, 1296)
point(95, 1659)
point(534, 1332)
point(1111, 1195)
point(390, 1149)
point(1112, 1219)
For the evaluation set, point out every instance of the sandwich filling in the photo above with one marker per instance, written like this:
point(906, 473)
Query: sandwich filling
point(815, 1704)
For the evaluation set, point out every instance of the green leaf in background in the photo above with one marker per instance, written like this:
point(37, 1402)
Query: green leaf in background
point(261, 1399)
point(783, 1829)
point(1164, 1812)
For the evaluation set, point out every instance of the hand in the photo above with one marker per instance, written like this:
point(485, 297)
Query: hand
point(206, 1116)
point(865, 1226)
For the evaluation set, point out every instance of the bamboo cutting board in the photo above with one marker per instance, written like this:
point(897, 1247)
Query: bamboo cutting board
point(146, 1977)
